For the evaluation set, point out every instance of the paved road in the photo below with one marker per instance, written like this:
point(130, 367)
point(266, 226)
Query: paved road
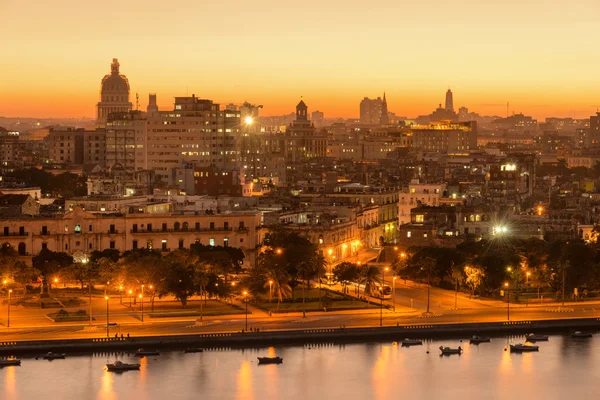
point(320, 320)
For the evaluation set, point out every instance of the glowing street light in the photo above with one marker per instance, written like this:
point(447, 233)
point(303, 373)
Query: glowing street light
point(270, 291)
point(248, 120)
point(8, 312)
point(527, 277)
point(106, 298)
point(246, 298)
point(507, 301)
point(130, 293)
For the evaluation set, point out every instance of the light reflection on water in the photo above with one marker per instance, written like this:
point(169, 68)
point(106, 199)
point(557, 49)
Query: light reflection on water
point(563, 368)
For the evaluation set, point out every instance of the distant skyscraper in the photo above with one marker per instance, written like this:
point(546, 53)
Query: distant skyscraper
point(114, 93)
point(370, 111)
point(317, 118)
point(595, 130)
point(152, 106)
point(384, 119)
point(449, 101)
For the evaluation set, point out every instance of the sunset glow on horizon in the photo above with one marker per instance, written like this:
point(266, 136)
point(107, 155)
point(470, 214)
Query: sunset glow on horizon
point(540, 56)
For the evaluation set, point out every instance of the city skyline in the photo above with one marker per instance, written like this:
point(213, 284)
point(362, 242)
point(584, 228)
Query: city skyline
point(274, 55)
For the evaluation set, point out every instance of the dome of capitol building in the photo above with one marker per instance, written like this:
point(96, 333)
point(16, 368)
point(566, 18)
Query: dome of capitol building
point(114, 93)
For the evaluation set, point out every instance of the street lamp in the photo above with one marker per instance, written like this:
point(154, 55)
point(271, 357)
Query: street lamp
point(507, 301)
point(270, 291)
point(8, 316)
point(142, 306)
point(394, 293)
point(130, 293)
point(527, 277)
point(381, 292)
point(106, 298)
point(246, 298)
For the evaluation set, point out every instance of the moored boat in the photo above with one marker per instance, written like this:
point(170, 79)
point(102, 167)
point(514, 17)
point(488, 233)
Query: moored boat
point(270, 360)
point(521, 348)
point(10, 362)
point(532, 337)
point(54, 356)
point(411, 342)
point(142, 353)
point(119, 366)
point(579, 334)
point(479, 339)
point(446, 351)
point(193, 350)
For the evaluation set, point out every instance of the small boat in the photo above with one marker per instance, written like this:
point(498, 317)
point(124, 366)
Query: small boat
point(446, 351)
point(270, 360)
point(532, 337)
point(193, 350)
point(119, 366)
point(142, 353)
point(412, 342)
point(479, 339)
point(54, 356)
point(579, 335)
point(10, 362)
point(521, 348)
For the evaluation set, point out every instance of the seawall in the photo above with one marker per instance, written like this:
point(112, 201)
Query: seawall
point(267, 338)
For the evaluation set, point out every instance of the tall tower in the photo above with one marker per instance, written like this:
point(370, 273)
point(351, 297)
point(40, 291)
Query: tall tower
point(385, 119)
point(301, 111)
point(449, 101)
point(114, 93)
point(152, 107)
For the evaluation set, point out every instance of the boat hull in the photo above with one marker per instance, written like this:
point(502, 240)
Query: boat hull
point(270, 360)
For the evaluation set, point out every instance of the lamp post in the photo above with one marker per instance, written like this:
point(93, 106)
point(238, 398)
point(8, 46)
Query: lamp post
point(270, 291)
point(121, 294)
point(106, 298)
point(394, 293)
point(8, 316)
point(130, 292)
point(142, 302)
point(507, 301)
point(527, 277)
point(246, 299)
point(381, 292)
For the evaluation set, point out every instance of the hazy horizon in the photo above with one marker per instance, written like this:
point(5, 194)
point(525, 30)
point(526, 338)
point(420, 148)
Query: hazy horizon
point(332, 54)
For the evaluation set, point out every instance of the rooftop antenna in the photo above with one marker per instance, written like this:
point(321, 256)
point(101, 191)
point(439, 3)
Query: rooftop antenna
point(507, 112)
point(137, 101)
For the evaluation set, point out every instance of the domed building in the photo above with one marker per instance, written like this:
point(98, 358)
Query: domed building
point(114, 93)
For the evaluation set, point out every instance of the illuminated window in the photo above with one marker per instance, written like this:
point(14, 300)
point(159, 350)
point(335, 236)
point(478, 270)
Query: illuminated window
point(408, 234)
point(211, 241)
point(419, 218)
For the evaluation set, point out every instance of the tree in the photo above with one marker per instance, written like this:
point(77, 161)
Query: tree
point(179, 281)
point(320, 265)
point(143, 267)
point(474, 279)
point(270, 262)
point(428, 265)
point(50, 263)
point(457, 274)
point(14, 271)
point(369, 277)
point(346, 273)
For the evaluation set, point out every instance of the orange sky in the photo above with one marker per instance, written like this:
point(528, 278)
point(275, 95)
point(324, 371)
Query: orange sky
point(541, 56)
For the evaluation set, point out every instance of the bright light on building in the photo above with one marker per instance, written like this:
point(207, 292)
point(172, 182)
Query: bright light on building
point(248, 120)
point(499, 230)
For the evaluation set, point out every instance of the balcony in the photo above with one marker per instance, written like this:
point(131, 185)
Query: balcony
point(17, 234)
point(193, 230)
point(113, 232)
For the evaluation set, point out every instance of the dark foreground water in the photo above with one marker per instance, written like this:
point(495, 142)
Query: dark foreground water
point(563, 368)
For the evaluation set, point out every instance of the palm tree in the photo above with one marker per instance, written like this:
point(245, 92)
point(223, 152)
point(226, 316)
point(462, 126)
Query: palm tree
point(369, 276)
point(201, 279)
point(320, 266)
point(457, 273)
point(428, 264)
point(306, 272)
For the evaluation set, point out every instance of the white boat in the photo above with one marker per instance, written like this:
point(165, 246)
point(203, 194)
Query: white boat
point(479, 339)
point(521, 348)
point(579, 335)
point(411, 342)
point(119, 366)
point(10, 362)
point(446, 351)
point(532, 337)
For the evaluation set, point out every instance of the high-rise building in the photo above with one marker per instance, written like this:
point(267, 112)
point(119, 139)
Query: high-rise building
point(197, 133)
point(114, 93)
point(9, 143)
point(370, 111)
point(126, 141)
point(77, 146)
point(594, 132)
point(446, 137)
point(384, 119)
point(449, 101)
point(317, 118)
